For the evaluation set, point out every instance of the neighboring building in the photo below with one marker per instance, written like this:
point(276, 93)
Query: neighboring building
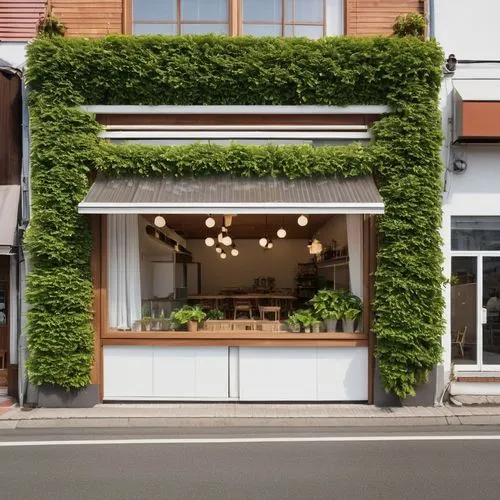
point(470, 103)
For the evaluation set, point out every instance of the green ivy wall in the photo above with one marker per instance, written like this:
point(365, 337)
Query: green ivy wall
point(403, 73)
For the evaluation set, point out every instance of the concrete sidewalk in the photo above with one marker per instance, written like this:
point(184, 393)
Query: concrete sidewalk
point(246, 415)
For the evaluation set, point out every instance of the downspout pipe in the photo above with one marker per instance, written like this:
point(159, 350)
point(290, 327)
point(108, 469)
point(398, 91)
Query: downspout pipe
point(432, 20)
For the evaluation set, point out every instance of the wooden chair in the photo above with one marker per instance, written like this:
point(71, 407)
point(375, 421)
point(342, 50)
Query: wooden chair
point(459, 340)
point(274, 310)
point(240, 306)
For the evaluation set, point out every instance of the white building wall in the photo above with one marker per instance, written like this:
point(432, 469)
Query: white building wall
point(468, 30)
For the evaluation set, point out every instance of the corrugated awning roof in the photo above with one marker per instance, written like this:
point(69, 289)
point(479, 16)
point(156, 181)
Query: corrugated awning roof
point(9, 206)
point(232, 195)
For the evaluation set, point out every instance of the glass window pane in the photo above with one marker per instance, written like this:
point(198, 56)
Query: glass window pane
point(204, 10)
point(155, 10)
point(154, 29)
point(304, 11)
point(262, 29)
point(262, 10)
point(200, 29)
point(463, 310)
point(313, 32)
point(491, 301)
point(475, 233)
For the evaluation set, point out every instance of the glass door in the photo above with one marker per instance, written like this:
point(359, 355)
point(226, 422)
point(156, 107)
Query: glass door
point(491, 305)
point(464, 293)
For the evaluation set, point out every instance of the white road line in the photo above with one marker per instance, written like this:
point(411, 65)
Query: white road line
point(321, 439)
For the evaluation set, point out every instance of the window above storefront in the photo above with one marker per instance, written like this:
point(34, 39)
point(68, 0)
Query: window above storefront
point(475, 233)
point(289, 18)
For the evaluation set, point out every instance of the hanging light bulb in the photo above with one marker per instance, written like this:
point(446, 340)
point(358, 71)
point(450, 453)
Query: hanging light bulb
point(302, 220)
point(281, 232)
point(263, 242)
point(234, 251)
point(210, 221)
point(160, 221)
point(220, 237)
point(227, 240)
point(269, 244)
point(218, 249)
point(209, 241)
point(223, 255)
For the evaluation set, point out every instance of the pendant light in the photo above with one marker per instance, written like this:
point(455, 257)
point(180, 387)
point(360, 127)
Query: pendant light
point(210, 221)
point(302, 220)
point(269, 244)
point(223, 255)
point(160, 221)
point(263, 242)
point(218, 248)
point(281, 232)
point(234, 251)
point(209, 241)
point(227, 240)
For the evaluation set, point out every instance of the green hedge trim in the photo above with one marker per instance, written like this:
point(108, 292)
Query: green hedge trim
point(151, 70)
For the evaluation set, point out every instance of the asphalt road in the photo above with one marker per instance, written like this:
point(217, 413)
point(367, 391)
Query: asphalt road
point(437, 463)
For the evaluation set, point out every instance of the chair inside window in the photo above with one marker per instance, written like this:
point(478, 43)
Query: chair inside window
point(459, 340)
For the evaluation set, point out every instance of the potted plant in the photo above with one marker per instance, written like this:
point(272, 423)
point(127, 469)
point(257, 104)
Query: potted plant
point(190, 316)
point(316, 326)
point(306, 318)
point(329, 305)
point(294, 322)
point(352, 311)
point(215, 314)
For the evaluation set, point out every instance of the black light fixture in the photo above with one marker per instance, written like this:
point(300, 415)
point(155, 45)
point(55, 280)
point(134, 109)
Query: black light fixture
point(451, 63)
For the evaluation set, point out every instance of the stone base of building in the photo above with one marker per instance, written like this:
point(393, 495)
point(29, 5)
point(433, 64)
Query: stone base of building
point(52, 396)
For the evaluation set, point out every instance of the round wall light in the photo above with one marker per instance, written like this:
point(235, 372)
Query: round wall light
point(160, 221)
point(210, 242)
point(302, 220)
point(210, 222)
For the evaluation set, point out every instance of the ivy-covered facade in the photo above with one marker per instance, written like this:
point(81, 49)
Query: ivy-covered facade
point(67, 153)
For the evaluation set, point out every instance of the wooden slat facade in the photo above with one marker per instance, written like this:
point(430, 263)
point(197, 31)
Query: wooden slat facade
point(19, 19)
point(90, 19)
point(10, 130)
point(376, 17)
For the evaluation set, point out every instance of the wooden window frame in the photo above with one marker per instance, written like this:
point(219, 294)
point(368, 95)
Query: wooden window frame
point(128, 20)
point(234, 20)
point(284, 24)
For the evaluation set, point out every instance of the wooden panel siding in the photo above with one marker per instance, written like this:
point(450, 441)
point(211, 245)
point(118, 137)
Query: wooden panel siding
point(19, 19)
point(10, 130)
point(376, 17)
point(90, 18)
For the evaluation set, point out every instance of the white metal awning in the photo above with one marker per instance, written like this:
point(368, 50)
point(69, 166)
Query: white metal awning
point(225, 195)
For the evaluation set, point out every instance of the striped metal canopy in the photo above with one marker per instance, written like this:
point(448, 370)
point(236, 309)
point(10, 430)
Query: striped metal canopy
point(220, 195)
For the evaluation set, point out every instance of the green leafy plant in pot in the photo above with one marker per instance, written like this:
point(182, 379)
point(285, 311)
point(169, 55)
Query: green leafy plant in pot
point(190, 316)
point(352, 312)
point(215, 314)
point(294, 322)
point(329, 306)
point(306, 318)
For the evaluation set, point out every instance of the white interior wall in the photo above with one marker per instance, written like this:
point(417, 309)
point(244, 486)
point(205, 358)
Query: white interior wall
point(252, 262)
point(334, 229)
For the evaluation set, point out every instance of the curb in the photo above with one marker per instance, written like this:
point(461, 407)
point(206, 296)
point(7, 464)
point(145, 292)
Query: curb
point(171, 422)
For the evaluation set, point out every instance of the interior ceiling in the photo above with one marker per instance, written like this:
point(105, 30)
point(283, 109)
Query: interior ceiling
point(244, 226)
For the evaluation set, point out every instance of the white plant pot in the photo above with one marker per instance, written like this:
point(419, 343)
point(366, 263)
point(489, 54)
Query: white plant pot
point(307, 329)
point(316, 328)
point(348, 325)
point(331, 325)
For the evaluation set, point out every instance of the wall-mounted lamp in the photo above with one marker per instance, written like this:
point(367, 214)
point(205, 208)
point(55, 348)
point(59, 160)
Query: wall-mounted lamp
point(459, 166)
point(451, 64)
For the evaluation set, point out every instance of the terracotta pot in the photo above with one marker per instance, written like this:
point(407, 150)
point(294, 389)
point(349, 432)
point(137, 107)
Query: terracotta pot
point(192, 326)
